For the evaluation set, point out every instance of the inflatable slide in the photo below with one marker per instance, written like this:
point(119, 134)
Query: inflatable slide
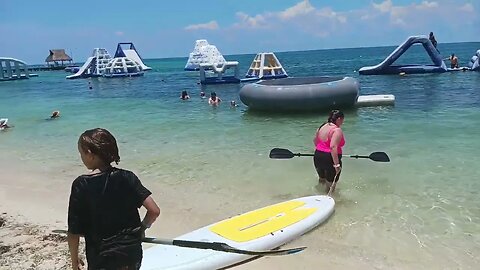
point(131, 53)
point(387, 67)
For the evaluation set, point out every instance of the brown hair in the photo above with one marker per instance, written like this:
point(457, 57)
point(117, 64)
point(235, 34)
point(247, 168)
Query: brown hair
point(334, 115)
point(101, 143)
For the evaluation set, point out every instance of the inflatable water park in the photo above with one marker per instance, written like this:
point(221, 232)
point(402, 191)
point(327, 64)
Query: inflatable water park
point(125, 63)
point(14, 69)
point(265, 66)
point(203, 53)
point(475, 62)
point(438, 65)
point(216, 73)
point(316, 93)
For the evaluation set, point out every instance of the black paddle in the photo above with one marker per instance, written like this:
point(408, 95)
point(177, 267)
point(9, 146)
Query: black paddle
point(280, 153)
point(213, 245)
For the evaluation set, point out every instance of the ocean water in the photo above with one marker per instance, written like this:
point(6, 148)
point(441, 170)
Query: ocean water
point(423, 205)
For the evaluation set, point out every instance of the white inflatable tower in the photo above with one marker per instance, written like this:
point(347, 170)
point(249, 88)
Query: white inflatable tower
point(203, 53)
point(94, 66)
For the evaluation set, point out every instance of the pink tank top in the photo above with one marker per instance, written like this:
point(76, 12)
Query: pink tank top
point(324, 146)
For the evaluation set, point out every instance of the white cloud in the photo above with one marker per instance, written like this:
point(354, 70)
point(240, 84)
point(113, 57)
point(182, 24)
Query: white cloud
point(300, 9)
point(247, 21)
point(427, 4)
point(468, 7)
point(381, 21)
point(383, 7)
point(212, 25)
point(302, 17)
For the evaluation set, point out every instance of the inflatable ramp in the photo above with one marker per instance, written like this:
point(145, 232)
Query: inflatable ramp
point(386, 67)
point(131, 53)
point(266, 66)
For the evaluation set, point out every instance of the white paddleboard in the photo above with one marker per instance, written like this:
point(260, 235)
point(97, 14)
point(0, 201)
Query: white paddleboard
point(259, 230)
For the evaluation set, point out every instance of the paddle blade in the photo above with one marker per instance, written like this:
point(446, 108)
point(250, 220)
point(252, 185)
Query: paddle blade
point(280, 153)
point(379, 156)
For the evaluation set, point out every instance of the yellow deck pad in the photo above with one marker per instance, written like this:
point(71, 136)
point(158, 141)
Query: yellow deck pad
point(261, 222)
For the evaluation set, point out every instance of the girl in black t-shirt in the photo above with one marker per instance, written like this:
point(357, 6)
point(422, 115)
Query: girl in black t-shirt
point(103, 208)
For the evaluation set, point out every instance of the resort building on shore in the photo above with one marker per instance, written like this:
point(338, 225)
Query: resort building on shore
point(58, 59)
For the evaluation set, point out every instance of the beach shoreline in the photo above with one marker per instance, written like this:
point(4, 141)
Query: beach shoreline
point(35, 200)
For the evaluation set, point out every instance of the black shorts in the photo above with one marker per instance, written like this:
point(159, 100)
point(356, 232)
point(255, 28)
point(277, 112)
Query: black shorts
point(323, 162)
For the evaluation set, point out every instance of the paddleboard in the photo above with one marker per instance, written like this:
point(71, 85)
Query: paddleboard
point(259, 230)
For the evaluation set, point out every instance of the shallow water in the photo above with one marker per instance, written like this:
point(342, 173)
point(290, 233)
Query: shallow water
point(421, 205)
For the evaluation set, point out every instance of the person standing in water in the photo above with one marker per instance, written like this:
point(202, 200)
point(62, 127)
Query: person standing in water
point(103, 207)
point(214, 100)
point(328, 141)
point(184, 95)
point(453, 61)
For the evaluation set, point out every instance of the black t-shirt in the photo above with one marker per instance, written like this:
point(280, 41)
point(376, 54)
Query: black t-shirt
point(103, 208)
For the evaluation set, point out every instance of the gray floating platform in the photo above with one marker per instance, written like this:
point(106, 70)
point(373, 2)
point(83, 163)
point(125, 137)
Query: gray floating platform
point(375, 100)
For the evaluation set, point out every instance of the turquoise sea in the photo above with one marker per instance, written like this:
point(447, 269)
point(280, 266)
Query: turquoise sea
point(422, 205)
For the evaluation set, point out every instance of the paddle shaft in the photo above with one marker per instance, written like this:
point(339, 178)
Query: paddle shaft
point(217, 246)
point(311, 155)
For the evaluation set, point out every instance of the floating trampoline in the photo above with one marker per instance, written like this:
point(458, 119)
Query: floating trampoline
point(301, 93)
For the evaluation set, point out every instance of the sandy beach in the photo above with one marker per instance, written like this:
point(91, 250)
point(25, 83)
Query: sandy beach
point(33, 202)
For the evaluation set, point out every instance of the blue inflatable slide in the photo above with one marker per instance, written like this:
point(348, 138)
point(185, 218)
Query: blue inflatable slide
point(386, 66)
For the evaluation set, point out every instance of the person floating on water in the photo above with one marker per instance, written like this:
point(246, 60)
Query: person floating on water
point(103, 207)
point(214, 100)
point(433, 40)
point(328, 142)
point(55, 115)
point(184, 95)
point(453, 61)
point(202, 95)
point(3, 124)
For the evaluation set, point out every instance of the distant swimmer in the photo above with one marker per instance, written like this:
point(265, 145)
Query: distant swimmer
point(90, 85)
point(184, 95)
point(453, 61)
point(202, 95)
point(55, 115)
point(214, 100)
point(233, 104)
point(3, 124)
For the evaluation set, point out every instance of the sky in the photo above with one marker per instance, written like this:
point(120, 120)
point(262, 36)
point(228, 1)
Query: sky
point(160, 29)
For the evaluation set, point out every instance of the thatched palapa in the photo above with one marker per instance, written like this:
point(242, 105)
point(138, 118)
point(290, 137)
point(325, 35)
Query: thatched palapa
point(58, 55)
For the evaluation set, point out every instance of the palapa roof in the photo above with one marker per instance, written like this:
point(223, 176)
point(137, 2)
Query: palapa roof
point(58, 55)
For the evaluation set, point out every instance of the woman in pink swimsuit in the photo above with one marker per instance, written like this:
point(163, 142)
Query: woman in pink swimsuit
point(328, 142)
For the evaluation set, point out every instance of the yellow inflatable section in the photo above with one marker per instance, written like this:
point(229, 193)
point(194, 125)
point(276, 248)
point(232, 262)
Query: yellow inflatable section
point(261, 222)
